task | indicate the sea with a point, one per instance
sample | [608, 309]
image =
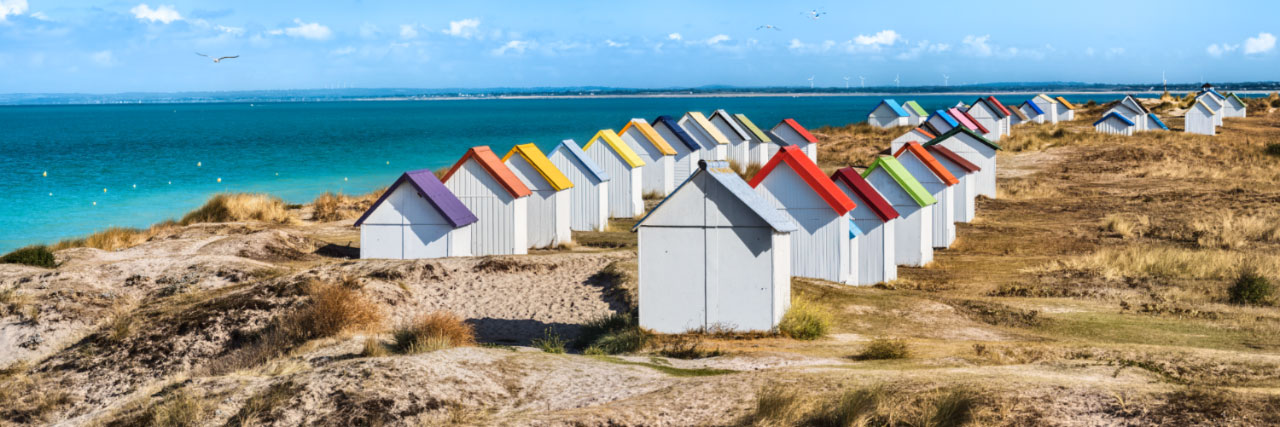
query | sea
[69, 170]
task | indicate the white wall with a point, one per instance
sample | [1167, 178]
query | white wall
[818, 248]
[885, 117]
[988, 119]
[913, 231]
[1114, 126]
[658, 173]
[502, 225]
[625, 192]
[979, 154]
[944, 226]
[684, 162]
[738, 149]
[1199, 120]
[589, 197]
[874, 260]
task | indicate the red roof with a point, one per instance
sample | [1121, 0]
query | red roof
[799, 162]
[485, 157]
[967, 120]
[952, 157]
[929, 161]
[999, 105]
[864, 191]
[804, 133]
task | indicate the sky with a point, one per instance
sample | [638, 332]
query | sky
[65, 46]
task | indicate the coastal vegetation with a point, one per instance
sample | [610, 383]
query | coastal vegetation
[35, 255]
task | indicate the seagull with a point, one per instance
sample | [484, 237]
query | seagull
[768, 27]
[217, 60]
[815, 14]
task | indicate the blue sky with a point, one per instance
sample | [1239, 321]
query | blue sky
[119, 46]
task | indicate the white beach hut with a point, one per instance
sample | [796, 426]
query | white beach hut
[1016, 117]
[658, 174]
[626, 196]
[1132, 109]
[942, 121]
[589, 197]
[499, 200]
[977, 150]
[1114, 123]
[714, 254]
[965, 193]
[1233, 106]
[686, 148]
[874, 221]
[916, 134]
[1033, 112]
[991, 115]
[888, 113]
[1200, 119]
[760, 142]
[551, 202]
[714, 144]
[1049, 107]
[918, 115]
[799, 189]
[1214, 103]
[415, 218]
[740, 141]
[789, 132]
[913, 231]
[939, 183]
[1066, 110]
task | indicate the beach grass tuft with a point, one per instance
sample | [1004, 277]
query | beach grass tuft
[337, 206]
[805, 320]
[236, 207]
[433, 331]
[35, 255]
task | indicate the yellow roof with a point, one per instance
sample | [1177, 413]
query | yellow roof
[650, 134]
[542, 164]
[1065, 103]
[618, 146]
[711, 129]
[751, 127]
[1046, 98]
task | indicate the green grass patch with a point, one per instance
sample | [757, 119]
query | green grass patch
[669, 370]
[1150, 330]
[36, 255]
[551, 342]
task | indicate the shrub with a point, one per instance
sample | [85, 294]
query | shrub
[37, 256]
[335, 309]
[884, 349]
[953, 409]
[775, 403]
[178, 409]
[805, 320]
[373, 348]
[235, 207]
[1251, 288]
[550, 342]
[612, 334]
[434, 331]
[337, 206]
[1273, 149]
[1275, 103]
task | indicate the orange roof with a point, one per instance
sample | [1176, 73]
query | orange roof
[929, 161]
[799, 162]
[925, 133]
[1065, 103]
[490, 162]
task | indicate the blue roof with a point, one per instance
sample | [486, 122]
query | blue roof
[1157, 120]
[586, 161]
[722, 173]
[893, 105]
[1034, 107]
[943, 114]
[435, 192]
[1215, 93]
[675, 128]
[1116, 115]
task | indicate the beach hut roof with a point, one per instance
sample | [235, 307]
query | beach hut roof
[929, 161]
[1034, 107]
[733, 124]
[678, 131]
[707, 127]
[893, 105]
[727, 177]
[968, 120]
[1214, 92]
[957, 130]
[914, 107]
[1206, 106]
[999, 105]
[542, 164]
[430, 188]
[1018, 113]
[1046, 98]
[951, 156]
[1064, 103]
[751, 127]
[1142, 109]
[651, 135]
[799, 162]
[904, 179]
[924, 132]
[490, 162]
[804, 133]
[1157, 121]
[1116, 115]
[999, 111]
[592, 167]
[611, 138]
[929, 128]
[863, 189]
[1232, 95]
[946, 117]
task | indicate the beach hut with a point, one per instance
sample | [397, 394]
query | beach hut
[1007, 123]
[1214, 104]
[1155, 123]
[1233, 106]
[657, 177]
[500, 201]
[965, 193]
[550, 202]
[740, 141]
[1130, 109]
[789, 132]
[1048, 106]
[1032, 111]
[968, 121]
[1114, 123]
[942, 121]
[940, 183]
[913, 230]
[686, 148]
[888, 113]
[798, 188]
[1017, 117]
[760, 142]
[917, 134]
[992, 116]
[1200, 118]
[714, 254]
[416, 217]
[1066, 111]
[626, 197]
[874, 220]
[714, 144]
[918, 115]
[977, 150]
[589, 197]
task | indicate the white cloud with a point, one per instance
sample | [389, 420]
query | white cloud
[675, 36]
[796, 44]
[717, 39]
[466, 28]
[103, 58]
[978, 46]
[1115, 51]
[883, 38]
[612, 43]
[369, 31]
[408, 31]
[12, 7]
[346, 50]
[235, 31]
[1217, 50]
[923, 47]
[517, 46]
[162, 13]
[305, 30]
[1263, 43]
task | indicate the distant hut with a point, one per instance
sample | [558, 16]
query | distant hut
[1155, 122]
[500, 201]
[551, 202]
[416, 217]
[1213, 102]
[658, 174]
[977, 150]
[1131, 109]
[686, 148]
[1032, 111]
[740, 141]
[1007, 123]
[758, 153]
[799, 189]
[1017, 117]
[789, 132]
[626, 197]
[1233, 106]
[918, 115]
[940, 183]
[1066, 110]
[888, 113]
[965, 193]
[714, 144]
[968, 121]
[874, 220]
[589, 201]
[913, 231]
[942, 121]
[1049, 107]
[991, 115]
[1114, 123]
[1199, 118]
[916, 134]
[714, 254]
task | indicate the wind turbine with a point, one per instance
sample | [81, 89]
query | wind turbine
[811, 82]
[1164, 81]
[846, 82]
[897, 80]
[946, 80]
[863, 80]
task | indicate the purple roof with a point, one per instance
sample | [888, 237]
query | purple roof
[430, 188]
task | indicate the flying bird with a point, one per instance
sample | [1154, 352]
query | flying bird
[768, 27]
[217, 60]
[815, 14]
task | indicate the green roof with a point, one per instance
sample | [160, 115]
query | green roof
[1233, 95]
[904, 179]
[959, 129]
[915, 108]
[751, 127]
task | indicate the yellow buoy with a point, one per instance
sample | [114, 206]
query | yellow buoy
[95, 203]
[104, 190]
[135, 185]
[170, 182]
[46, 173]
[197, 164]
[344, 178]
[50, 194]
[219, 179]
[388, 162]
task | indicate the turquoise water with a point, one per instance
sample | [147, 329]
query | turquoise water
[158, 161]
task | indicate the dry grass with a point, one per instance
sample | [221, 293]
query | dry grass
[1026, 189]
[433, 331]
[261, 405]
[117, 238]
[1228, 231]
[337, 206]
[1168, 262]
[236, 207]
[884, 349]
[1126, 226]
[865, 406]
[805, 320]
[335, 309]
[178, 409]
